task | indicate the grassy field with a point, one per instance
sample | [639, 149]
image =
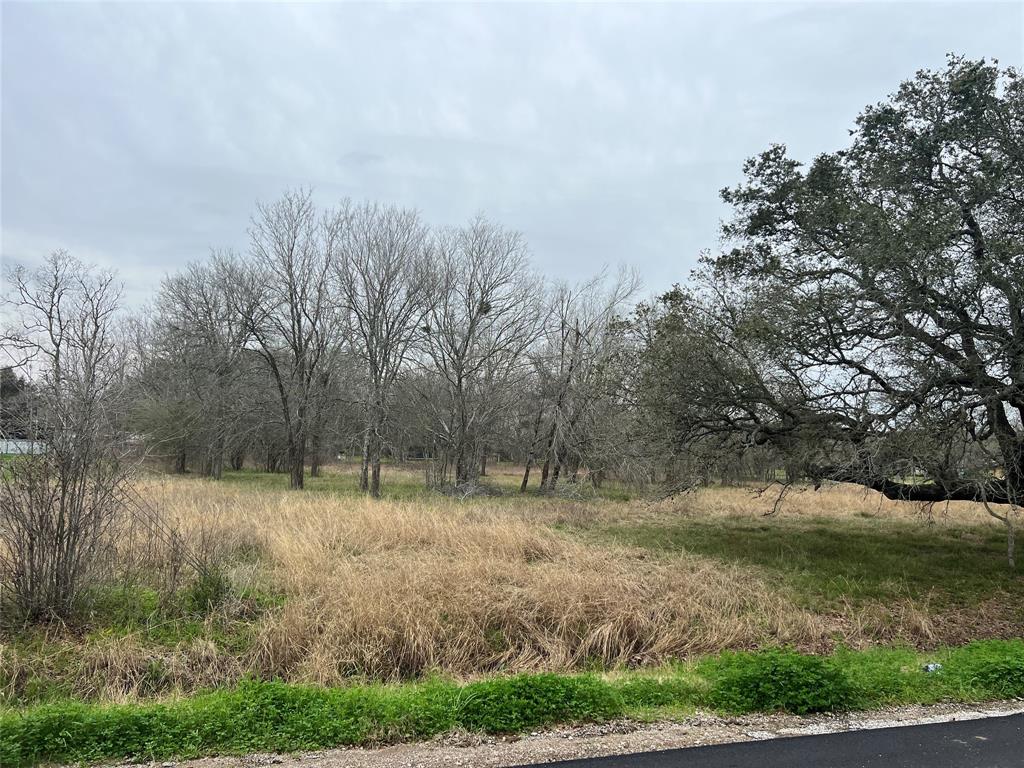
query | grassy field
[883, 572]
[330, 589]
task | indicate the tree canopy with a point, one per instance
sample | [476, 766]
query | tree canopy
[866, 316]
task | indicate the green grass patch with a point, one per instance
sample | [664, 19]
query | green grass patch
[273, 716]
[46, 663]
[822, 562]
[166, 620]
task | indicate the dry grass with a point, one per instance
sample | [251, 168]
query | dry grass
[116, 668]
[833, 501]
[883, 571]
[394, 589]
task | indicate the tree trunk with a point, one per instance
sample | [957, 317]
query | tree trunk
[216, 468]
[314, 458]
[273, 459]
[461, 466]
[364, 470]
[375, 475]
[462, 449]
[297, 462]
[483, 462]
[526, 474]
[375, 443]
[549, 448]
[553, 480]
[180, 463]
[1011, 546]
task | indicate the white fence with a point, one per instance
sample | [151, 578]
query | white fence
[21, 447]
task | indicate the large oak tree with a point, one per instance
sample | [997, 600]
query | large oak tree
[866, 318]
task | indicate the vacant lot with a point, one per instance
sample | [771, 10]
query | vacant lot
[327, 587]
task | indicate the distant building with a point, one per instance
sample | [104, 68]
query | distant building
[21, 447]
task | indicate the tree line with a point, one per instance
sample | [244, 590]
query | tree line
[359, 330]
[864, 322]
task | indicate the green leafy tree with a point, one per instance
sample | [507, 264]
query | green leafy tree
[867, 317]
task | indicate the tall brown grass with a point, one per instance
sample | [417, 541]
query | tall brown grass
[385, 590]
[835, 501]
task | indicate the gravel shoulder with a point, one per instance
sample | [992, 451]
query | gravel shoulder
[613, 738]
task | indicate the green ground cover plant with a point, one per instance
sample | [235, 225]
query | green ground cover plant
[275, 716]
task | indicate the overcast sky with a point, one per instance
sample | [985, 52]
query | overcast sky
[141, 135]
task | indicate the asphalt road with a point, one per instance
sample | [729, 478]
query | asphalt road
[993, 742]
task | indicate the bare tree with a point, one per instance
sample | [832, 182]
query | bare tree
[574, 372]
[59, 509]
[283, 294]
[197, 375]
[385, 285]
[484, 318]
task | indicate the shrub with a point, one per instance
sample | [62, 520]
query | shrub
[1002, 678]
[778, 680]
[506, 705]
[992, 668]
[646, 692]
[63, 510]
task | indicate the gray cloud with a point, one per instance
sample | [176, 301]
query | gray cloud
[141, 135]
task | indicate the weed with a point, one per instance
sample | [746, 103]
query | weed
[778, 680]
[210, 589]
[274, 716]
[507, 705]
